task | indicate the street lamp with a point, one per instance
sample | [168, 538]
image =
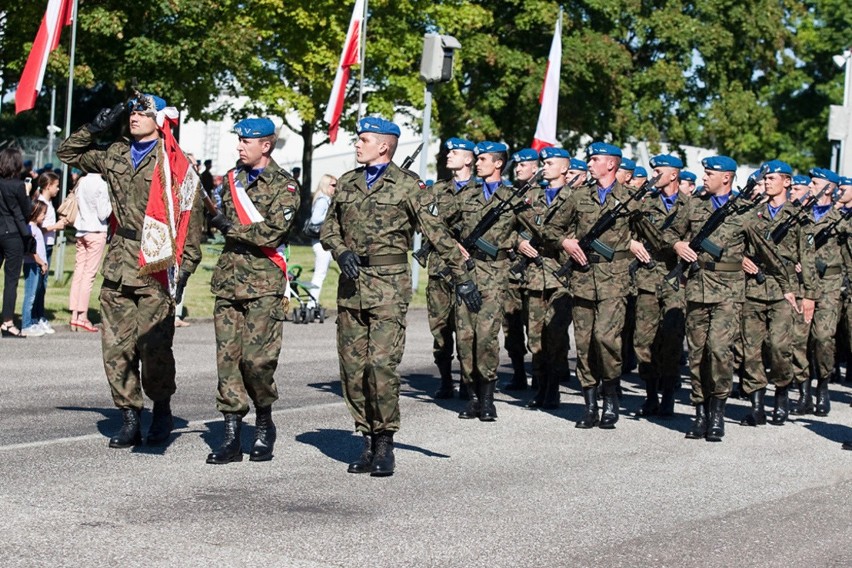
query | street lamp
[840, 118]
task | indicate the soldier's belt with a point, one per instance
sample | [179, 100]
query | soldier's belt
[126, 233]
[479, 255]
[598, 259]
[383, 259]
[243, 249]
[720, 266]
[832, 271]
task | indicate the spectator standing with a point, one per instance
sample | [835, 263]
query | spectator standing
[35, 269]
[14, 209]
[322, 258]
[48, 189]
[93, 214]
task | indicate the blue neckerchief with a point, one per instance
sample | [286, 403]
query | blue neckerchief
[720, 200]
[138, 151]
[373, 173]
[820, 211]
[603, 192]
[461, 184]
[252, 175]
[845, 210]
[489, 187]
[668, 201]
[773, 211]
[550, 194]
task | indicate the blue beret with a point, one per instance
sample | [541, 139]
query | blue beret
[801, 180]
[602, 149]
[488, 147]
[459, 144]
[627, 164]
[525, 155]
[826, 174]
[552, 152]
[254, 128]
[719, 164]
[667, 161]
[687, 176]
[640, 172]
[578, 165]
[377, 125]
[146, 103]
[777, 167]
[845, 180]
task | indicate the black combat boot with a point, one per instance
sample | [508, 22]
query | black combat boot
[805, 404]
[757, 416]
[780, 412]
[162, 423]
[383, 460]
[699, 425]
[551, 390]
[129, 434]
[364, 463]
[610, 405]
[230, 450]
[473, 407]
[847, 445]
[446, 389]
[823, 402]
[264, 435]
[716, 420]
[668, 402]
[464, 391]
[519, 377]
[590, 418]
[651, 406]
[487, 412]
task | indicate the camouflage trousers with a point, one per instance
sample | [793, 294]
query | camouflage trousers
[660, 329]
[548, 320]
[711, 330]
[137, 336]
[248, 343]
[478, 334]
[441, 304]
[821, 345]
[513, 320]
[767, 325]
[800, 365]
[597, 331]
[370, 344]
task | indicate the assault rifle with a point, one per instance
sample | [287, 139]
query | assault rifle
[821, 238]
[779, 232]
[701, 240]
[406, 163]
[590, 241]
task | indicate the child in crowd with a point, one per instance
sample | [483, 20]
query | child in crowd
[35, 267]
[48, 189]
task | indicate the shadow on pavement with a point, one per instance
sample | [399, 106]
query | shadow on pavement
[345, 446]
[833, 432]
[333, 387]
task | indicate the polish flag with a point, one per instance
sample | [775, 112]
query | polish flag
[351, 56]
[57, 16]
[545, 130]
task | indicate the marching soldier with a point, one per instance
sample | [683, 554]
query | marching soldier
[369, 230]
[259, 203]
[715, 293]
[686, 184]
[844, 206]
[624, 174]
[136, 304]
[640, 176]
[767, 317]
[578, 173]
[799, 189]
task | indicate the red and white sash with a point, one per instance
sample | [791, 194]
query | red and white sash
[247, 213]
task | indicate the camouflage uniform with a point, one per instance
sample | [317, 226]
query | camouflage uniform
[138, 313]
[249, 287]
[377, 224]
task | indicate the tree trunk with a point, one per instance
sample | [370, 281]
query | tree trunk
[307, 134]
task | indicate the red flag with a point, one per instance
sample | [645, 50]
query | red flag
[57, 16]
[545, 130]
[350, 56]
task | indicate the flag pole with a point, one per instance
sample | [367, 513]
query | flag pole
[59, 266]
[363, 61]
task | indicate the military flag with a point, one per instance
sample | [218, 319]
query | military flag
[545, 130]
[350, 56]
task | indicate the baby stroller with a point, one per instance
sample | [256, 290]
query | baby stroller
[307, 308]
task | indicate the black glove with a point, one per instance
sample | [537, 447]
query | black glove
[468, 293]
[183, 278]
[105, 119]
[349, 263]
[222, 223]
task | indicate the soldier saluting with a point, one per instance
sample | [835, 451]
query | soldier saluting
[259, 203]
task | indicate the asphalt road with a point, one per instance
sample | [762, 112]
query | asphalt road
[528, 490]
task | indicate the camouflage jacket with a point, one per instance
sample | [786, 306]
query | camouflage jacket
[128, 193]
[602, 280]
[653, 212]
[827, 260]
[437, 202]
[380, 221]
[243, 270]
[710, 283]
[534, 221]
[792, 249]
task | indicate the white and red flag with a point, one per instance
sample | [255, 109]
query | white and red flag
[57, 16]
[350, 56]
[545, 130]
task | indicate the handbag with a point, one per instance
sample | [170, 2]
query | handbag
[69, 208]
[311, 230]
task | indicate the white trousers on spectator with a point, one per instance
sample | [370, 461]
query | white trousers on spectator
[322, 258]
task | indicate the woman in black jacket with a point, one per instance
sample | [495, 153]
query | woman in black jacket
[15, 208]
